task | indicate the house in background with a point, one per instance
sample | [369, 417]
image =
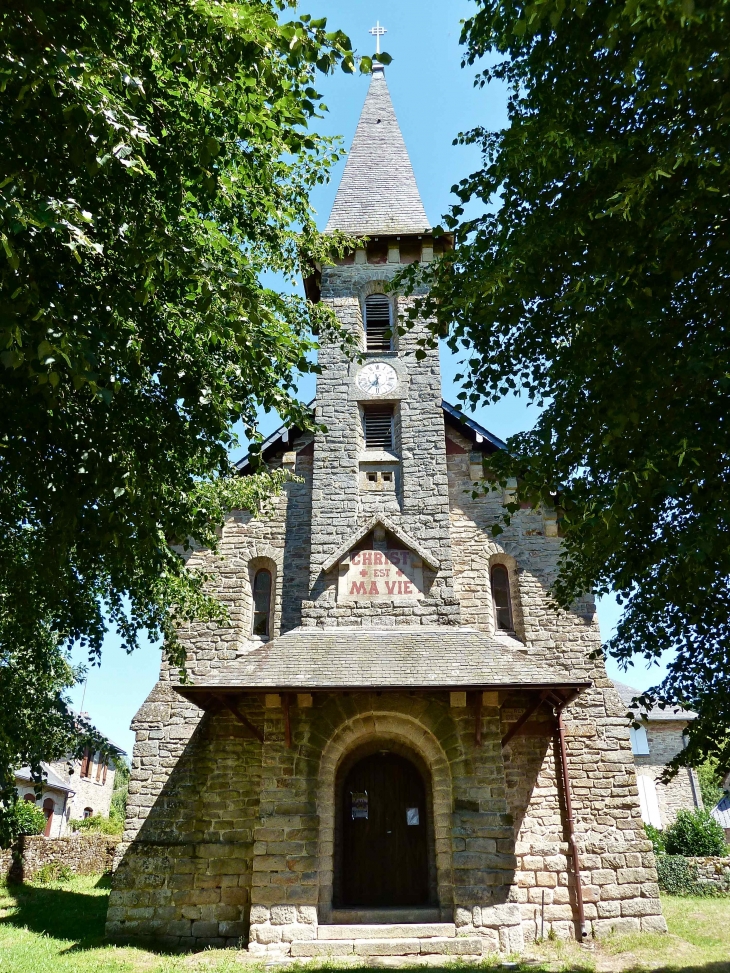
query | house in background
[72, 788]
[55, 799]
[654, 744]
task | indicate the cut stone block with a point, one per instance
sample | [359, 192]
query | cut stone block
[318, 947]
[387, 947]
[390, 931]
[463, 946]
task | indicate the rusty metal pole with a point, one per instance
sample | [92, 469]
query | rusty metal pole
[571, 823]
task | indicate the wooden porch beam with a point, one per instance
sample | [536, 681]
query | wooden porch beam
[225, 701]
[532, 708]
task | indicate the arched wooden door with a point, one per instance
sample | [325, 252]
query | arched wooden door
[385, 838]
[48, 808]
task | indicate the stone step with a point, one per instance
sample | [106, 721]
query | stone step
[395, 930]
[411, 946]
[365, 917]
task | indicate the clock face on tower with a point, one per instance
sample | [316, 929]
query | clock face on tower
[377, 378]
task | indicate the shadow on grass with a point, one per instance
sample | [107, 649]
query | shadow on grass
[76, 918]
[59, 912]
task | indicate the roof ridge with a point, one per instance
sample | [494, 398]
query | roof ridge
[378, 192]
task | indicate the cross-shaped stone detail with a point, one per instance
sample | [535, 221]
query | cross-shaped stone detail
[377, 31]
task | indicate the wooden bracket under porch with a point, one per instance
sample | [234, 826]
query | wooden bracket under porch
[556, 697]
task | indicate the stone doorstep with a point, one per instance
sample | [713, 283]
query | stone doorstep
[425, 930]
[388, 916]
[435, 946]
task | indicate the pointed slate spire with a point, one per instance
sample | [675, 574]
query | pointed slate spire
[378, 193]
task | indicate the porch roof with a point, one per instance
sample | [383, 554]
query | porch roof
[388, 659]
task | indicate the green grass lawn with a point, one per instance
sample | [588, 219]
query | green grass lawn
[59, 928]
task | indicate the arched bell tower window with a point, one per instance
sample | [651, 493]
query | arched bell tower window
[262, 603]
[502, 599]
[378, 323]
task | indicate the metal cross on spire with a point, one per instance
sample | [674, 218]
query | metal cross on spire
[377, 31]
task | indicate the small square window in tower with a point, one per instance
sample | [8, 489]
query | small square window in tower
[378, 421]
[378, 325]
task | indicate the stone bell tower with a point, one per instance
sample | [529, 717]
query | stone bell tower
[379, 473]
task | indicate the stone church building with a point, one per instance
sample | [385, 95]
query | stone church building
[398, 747]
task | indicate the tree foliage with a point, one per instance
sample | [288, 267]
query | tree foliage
[96, 824]
[155, 162]
[710, 782]
[118, 806]
[26, 819]
[695, 834]
[594, 280]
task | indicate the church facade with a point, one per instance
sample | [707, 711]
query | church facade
[398, 747]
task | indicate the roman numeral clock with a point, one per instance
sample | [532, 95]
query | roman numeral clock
[377, 378]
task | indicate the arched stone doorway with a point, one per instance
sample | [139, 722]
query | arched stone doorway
[384, 849]
[369, 733]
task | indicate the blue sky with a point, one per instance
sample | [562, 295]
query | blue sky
[434, 100]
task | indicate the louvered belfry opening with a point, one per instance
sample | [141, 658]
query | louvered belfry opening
[378, 335]
[378, 427]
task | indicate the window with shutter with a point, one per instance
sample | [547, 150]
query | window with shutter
[501, 598]
[378, 427]
[648, 801]
[639, 741]
[378, 323]
[87, 762]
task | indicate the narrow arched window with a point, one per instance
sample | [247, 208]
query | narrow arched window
[30, 798]
[262, 603]
[88, 812]
[501, 598]
[378, 323]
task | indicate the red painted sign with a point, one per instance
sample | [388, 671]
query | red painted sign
[381, 576]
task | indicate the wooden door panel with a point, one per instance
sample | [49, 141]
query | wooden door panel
[385, 859]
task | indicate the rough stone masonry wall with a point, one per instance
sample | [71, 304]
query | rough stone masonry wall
[681, 793]
[166, 735]
[293, 864]
[337, 505]
[166, 722]
[84, 854]
[619, 874]
[186, 879]
[713, 869]
[279, 542]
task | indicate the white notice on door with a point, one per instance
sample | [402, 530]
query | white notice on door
[412, 815]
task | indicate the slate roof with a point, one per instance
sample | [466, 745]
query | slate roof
[378, 192]
[482, 439]
[412, 657]
[627, 693]
[52, 779]
[403, 536]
